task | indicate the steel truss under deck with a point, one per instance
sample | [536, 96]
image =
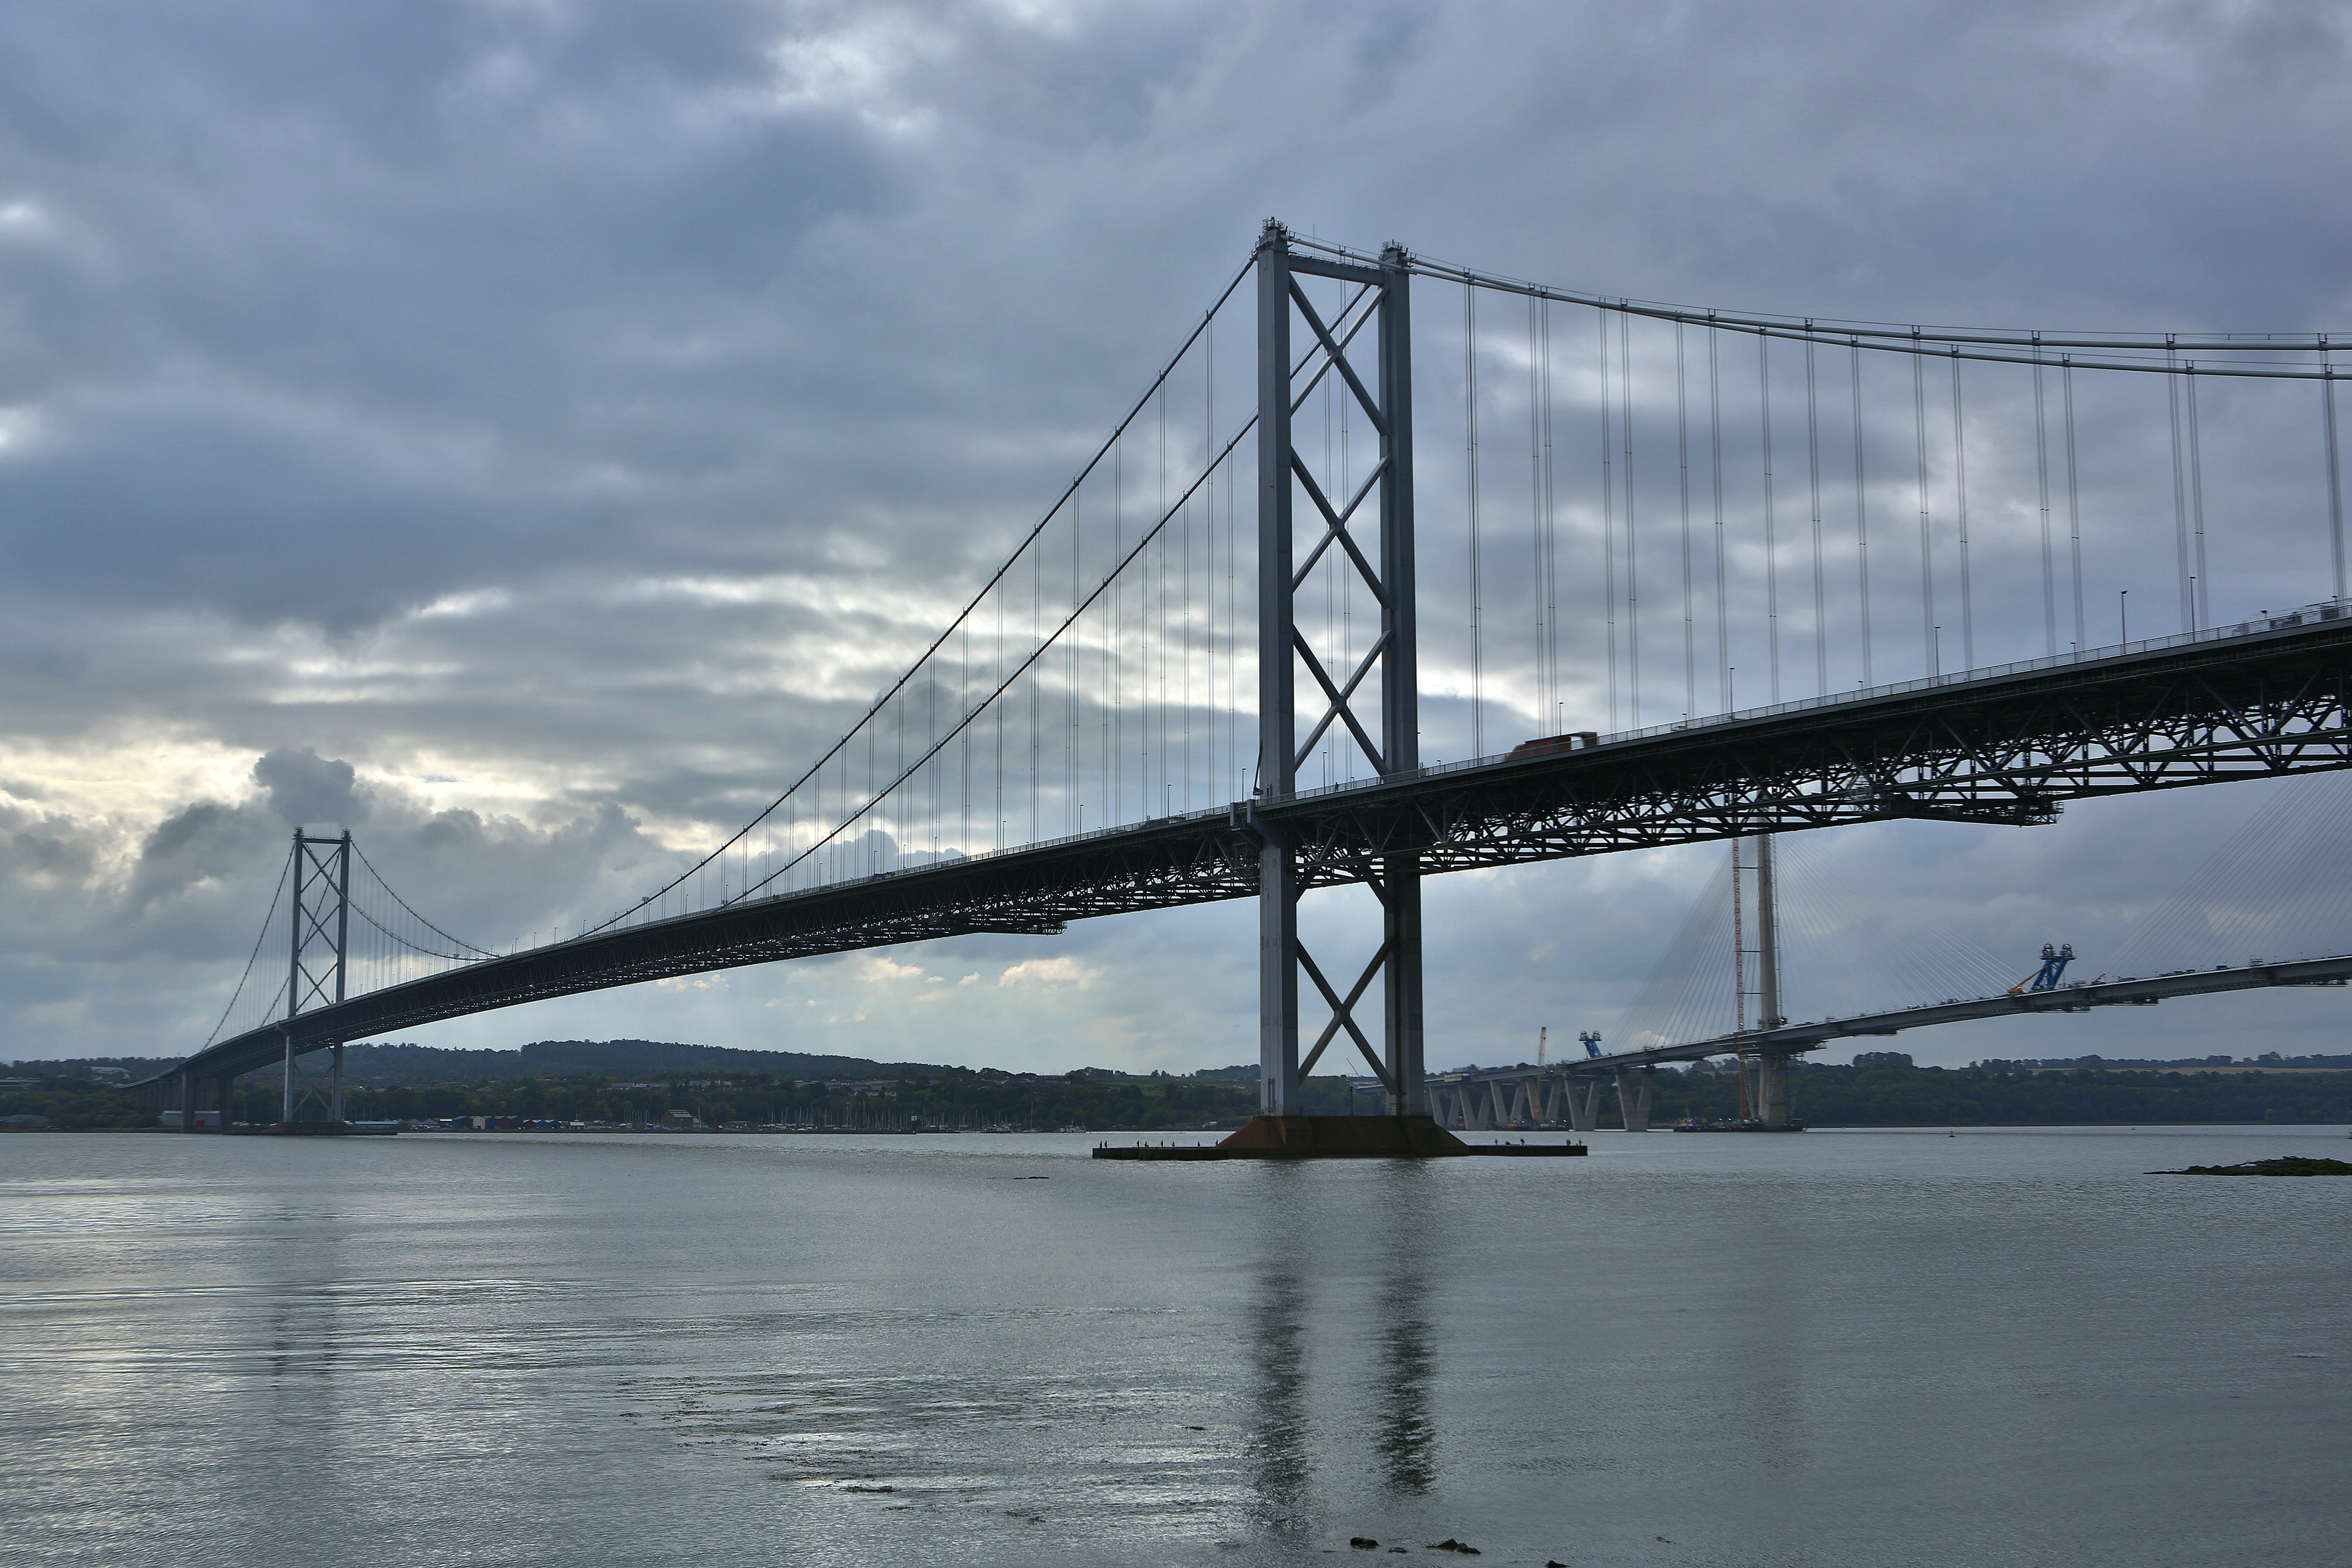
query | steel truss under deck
[2009, 747]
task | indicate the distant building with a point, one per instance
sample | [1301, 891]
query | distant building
[681, 1121]
[23, 1123]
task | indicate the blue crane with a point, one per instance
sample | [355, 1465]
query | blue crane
[2054, 961]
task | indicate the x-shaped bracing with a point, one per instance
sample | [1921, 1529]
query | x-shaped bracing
[314, 925]
[1343, 1014]
[1337, 695]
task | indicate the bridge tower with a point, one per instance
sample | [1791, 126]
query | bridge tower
[1772, 1066]
[1389, 734]
[316, 973]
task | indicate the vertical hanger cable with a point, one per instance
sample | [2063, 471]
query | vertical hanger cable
[1929, 657]
[1861, 508]
[1633, 593]
[1470, 469]
[1960, 516]
[1682, 466]
[1772, 540]
[1715, 472]
[2073, 499]
[2042, 478]
[1608, 513]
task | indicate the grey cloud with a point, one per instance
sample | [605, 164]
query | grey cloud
[303, 787]
[154, 950]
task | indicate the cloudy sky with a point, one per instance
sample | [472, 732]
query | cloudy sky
[492, 425]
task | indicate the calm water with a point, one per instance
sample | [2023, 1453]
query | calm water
[1864, 1349]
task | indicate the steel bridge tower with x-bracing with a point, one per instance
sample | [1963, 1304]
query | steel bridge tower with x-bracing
[316, 973]
[1386, 729]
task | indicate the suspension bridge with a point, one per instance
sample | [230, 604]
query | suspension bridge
[1114, 722]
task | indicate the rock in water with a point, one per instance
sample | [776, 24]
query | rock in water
[2285, 1165]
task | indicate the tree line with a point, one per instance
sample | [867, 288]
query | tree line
[1095, 1101]
[1902, 1096]
[1864, 1096]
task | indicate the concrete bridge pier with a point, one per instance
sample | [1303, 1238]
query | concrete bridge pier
[1772, 1089]
[1473, 1107]
[1583, 1095]
[1457, 1108]
[196, 1095]
[1633, 1097]
[303, 1098]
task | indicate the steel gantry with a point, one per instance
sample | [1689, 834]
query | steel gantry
[1386, 671]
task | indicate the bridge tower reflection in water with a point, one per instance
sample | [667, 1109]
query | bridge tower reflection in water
[1342, 1413]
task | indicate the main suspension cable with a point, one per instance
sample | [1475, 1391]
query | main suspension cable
[420, 919]
[255, 956]
[977, 599]
[1036, 654]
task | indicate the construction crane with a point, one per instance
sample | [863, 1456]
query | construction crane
[2054, 961]
[1543, 1038]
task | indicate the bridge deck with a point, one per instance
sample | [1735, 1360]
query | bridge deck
[2007, 745]
[2079, 997]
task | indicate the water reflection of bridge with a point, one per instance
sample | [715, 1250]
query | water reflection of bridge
[1378, 1385]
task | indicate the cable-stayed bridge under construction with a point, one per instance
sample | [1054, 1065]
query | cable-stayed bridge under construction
[1570, 1092]
[1115, 723]
[2273, 884]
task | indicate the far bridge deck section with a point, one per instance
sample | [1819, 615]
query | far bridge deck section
[1570, 1090]
[2007, 745]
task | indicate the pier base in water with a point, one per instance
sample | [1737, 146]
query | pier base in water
[1333, 1137]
